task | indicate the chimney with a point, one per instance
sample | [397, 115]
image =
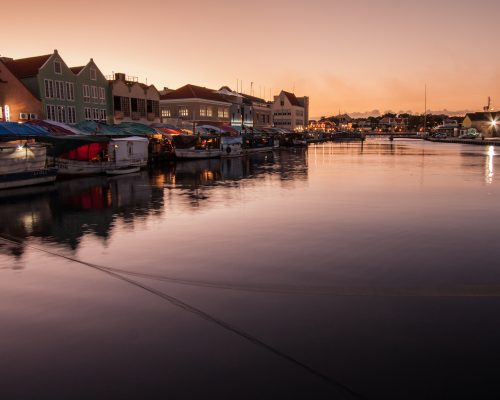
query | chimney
[119, 76]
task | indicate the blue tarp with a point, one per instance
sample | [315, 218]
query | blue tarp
[13, 128]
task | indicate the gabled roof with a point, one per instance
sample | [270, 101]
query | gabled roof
[193, 92]
[26, 67]
[253, 98]
[77, 70]
[483, 116]
[292, 99]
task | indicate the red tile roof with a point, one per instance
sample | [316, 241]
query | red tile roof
[293, 99]
[26, 67]
[77, 70]
[193, 92]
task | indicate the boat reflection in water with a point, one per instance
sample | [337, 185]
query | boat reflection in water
[69, 210]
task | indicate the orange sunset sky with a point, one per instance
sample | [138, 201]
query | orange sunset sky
[352, 55]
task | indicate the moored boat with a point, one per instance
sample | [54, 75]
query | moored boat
[94, 155]
[197, 146]
[24, 163]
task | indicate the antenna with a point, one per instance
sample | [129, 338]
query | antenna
[488, 107]
[425, 109]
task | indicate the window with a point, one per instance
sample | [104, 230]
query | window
[142, 107]
[102, 95]
[95, 114]
[102, 115]
[94, 92]
[50, 112]
[220, 112]
[86, 93]
[88, 113]
[57, 67]
[203, 111]
[126, 106]
[165, 112]
[133, 104]
[70, 91]
[49, 88]
[71, 115]
[183, 111]
[61, 114]
[93, 74]
[60, 90]
[226, 113]
[209, 111]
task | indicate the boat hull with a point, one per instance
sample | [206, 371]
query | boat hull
[82, 168]
[28, 178]
[197, 154]
[122, 171]
[251, 150]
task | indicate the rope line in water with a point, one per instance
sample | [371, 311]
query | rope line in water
[340, 388]
[360, 291]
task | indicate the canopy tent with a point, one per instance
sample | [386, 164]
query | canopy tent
[55, 128]
[65, 144]
[123, 129]
[14, 128]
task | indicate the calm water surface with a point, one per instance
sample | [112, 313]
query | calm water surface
[340, 271]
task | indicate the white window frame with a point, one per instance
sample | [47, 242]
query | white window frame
[60, 67]
[93, 74]
[86, 93]
[103, 115]
[48, 88]
[71, 115]
[93, 91]
[95, 114]
[50, 112]
[88, 113]
[102, 95]
[70, 91]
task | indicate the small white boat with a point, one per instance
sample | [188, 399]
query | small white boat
[94, 156]
[231, 146]
[23, 164]
[197, 146]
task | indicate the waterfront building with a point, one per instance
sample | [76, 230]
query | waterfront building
[17, 103]
[91, 94]
[393, 124]
[290, 112]
[247, 111]
[322, 125]
[193, 105]
[133, 101]
[66, 95]
[487, 123]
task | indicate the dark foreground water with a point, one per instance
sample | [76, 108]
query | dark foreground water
[341, 271]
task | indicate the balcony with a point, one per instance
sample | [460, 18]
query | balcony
[136, 116]
[118, 114]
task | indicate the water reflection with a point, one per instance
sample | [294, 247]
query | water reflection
[71, 209]
[489, 172]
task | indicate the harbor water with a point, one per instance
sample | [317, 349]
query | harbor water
[344, 270]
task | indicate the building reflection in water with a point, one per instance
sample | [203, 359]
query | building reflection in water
[69, 210]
